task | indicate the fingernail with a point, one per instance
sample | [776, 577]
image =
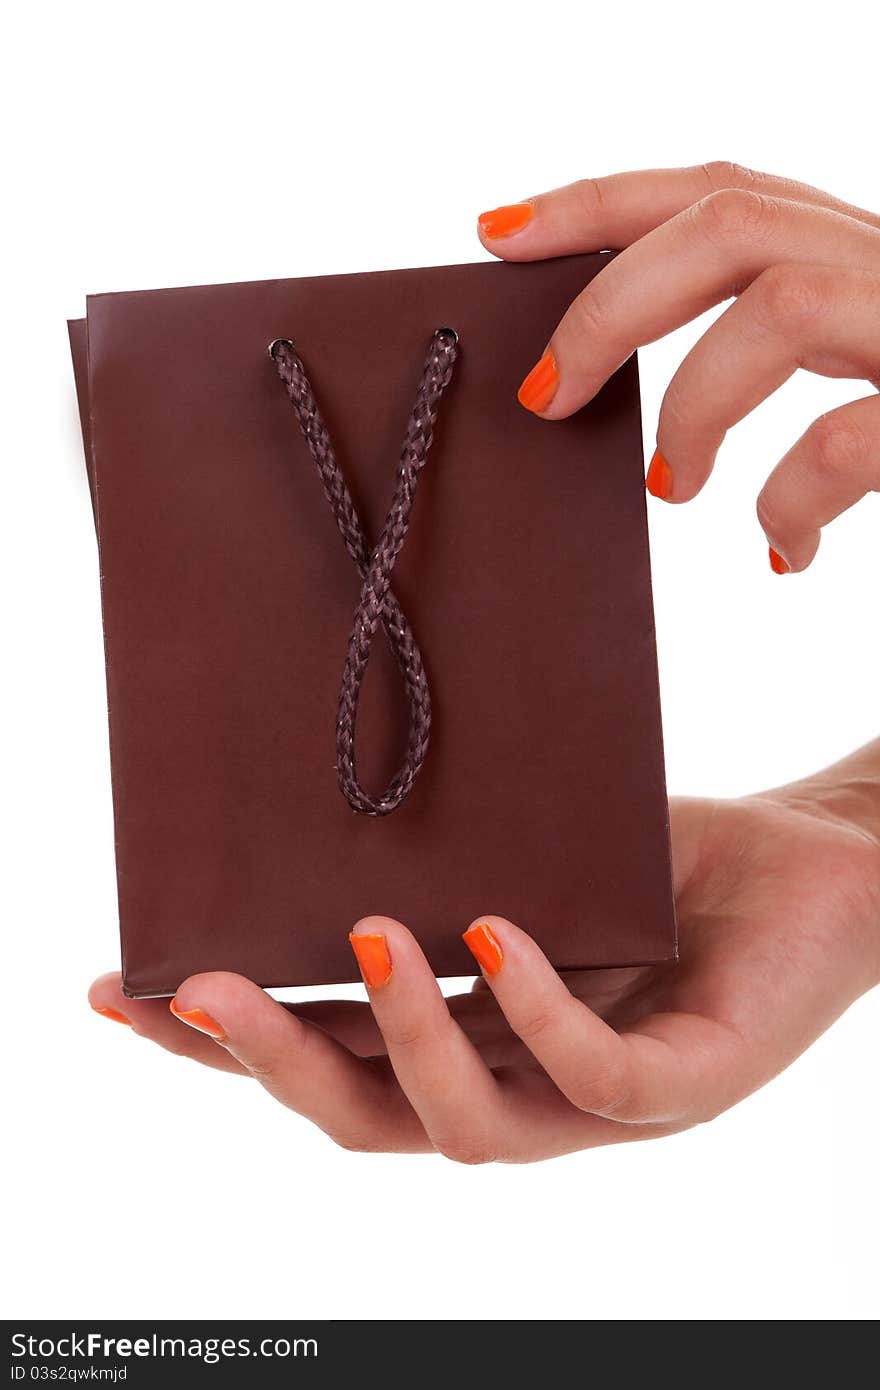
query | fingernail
[197, 1018]
[539, 387]
[116, 1016]
[483, 944]
[371, 950]
[659, 479]
[777, 564]
[506, 221]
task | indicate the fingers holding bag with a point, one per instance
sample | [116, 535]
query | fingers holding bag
[804, 270]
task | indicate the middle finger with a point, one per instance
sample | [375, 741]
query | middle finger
[464, 1111]
[822, 319]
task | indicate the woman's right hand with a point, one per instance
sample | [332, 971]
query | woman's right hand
[778, 901]
[805, 270]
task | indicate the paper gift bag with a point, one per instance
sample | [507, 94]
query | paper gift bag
[490, 673]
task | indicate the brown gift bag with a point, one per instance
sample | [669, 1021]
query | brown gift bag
[500, 693]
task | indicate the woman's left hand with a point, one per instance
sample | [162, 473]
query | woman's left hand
[779, 917]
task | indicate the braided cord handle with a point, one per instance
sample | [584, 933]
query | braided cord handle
[377, 603]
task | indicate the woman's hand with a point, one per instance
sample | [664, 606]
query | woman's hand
[779, 918]
[778, 895]
[805, 270]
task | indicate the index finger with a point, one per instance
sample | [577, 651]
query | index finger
[609, 213]
[668, 1068]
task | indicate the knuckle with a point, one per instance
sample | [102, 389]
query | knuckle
[707, 1112]
[837, 443]
[726, 173]
[677, 409]
[531, 1026]
[403, 1037]
[733, 214]
[411, 1035]
[769, 517]
[791, 297]
[271, 1066]
[588, 317]
[358, 1143]
[690, 429]
[704, 1110]
[470, 1152]
[590, 197]
[263, 1069]
[605, 1093]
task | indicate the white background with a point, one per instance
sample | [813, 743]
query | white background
[170, 144]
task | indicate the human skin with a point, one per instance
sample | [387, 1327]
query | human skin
[778, 894]
[804, 270]
[778, 899]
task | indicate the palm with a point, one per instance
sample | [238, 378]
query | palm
[771, 894]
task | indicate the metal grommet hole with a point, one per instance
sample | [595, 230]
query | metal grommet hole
[278, 342]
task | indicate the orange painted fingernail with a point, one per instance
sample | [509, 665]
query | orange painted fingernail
[197, 1018]
[116, 1016]
[659, 479]
[483, 944]
[506, 221]
[777, 564]
[373, 957]
[539, 387]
